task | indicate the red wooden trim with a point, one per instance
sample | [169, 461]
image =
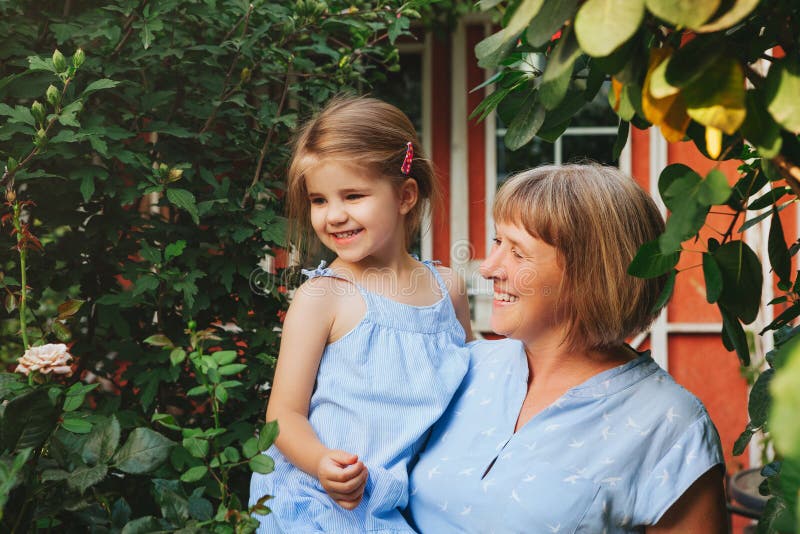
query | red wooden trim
[440, 77]
[476, 150]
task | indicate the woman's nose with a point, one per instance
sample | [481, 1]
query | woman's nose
[490, 267]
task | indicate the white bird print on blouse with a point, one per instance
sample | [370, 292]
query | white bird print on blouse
[611, 481]
[492, 376]
[506, 456]
[552, 427]
[607, 433]
[487, 484]
[572, 479]
[471, 391]
[466, 510]
[489, 431]
[529, 478]
[485, 401]
[606, 417]
[514, 496]
[608, 460]
[663, 477]
[575, 444]
[434, 471]
[531, 446]
[632, 424]
[671, 414]
[691, 456]
[466, 472]
[554, 528]
[443, 506]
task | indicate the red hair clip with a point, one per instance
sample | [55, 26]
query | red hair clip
[406, 167]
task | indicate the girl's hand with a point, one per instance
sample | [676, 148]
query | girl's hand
[343, 476]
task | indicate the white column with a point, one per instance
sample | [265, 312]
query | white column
[658, 160]
[459, 183]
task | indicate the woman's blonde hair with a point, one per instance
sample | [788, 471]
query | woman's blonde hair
[362, 131]
[597, 218]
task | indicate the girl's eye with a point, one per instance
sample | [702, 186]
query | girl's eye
[354, 196]
[317, 200]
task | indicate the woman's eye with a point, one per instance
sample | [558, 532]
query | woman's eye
[517, 254]
[496, 241]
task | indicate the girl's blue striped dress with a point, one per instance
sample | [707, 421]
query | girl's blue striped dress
[379, 389]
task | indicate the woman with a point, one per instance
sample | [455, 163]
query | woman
[563, 427]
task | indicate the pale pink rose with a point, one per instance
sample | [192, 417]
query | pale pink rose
[50, 358]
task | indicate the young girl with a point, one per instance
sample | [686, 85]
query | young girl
[373, 346]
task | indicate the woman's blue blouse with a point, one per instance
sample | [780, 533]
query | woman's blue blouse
[610, 455]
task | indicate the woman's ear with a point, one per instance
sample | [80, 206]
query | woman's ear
[408, 192]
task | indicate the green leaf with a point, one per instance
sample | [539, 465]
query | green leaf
[733, 332]
[757, 219]
[713, 278]
[675, 183]
[224, 357]
[525, 125]
[759, 128]
[549, 20]
[490, 50]
[666, 293]
[769, 198]
[174, 250]
[684, 223]
[37, 63]
[144, 451]
[67, 117]
[232, 369]
[18, 114]
[683, 13]
[196, 447]
[714, 190]
[785, 390]
[84, 477]
[780, 93]
[185, 200]
[76, 425]
[758, 405]
[193, 474]
[221, 393]
[250, 448]
[267, 435]
[651, 262]
[717, 98]
[102, 442]
[159, 340]
[743, 440]
[741, 279]
[555, 80]
[602, 26]
[691, 60]
[177, 355]
[779, 256]
[28, 420]
[731, 17]
[262, 464]
[621, 140]
[87, 188]
[144, 525]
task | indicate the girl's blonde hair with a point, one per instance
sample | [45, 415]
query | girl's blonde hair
[362, 131]
[597, 218]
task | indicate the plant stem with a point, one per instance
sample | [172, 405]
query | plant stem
[23, 254]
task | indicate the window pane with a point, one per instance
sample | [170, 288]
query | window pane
[597, 112]
[595, 147]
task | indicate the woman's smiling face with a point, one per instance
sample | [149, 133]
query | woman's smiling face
[527, 277]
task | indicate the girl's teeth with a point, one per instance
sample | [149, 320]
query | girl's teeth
[344, 235]
[505, 297]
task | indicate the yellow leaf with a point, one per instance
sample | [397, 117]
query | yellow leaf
[616, 86]
[713, 141]
[668, 113]
[717, 98]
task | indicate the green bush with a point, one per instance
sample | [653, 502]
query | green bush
[143, 175]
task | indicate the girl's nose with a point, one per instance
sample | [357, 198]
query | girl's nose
[336, 214]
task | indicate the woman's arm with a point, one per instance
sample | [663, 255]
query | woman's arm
[701, 509]
[305, 333]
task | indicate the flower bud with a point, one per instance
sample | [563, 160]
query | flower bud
[38, 112]
[78, 58]
[175, 174]
[53, 96]
[59, 62]
[163, 169]
[41, 137]
[244, 76]
[11, 195]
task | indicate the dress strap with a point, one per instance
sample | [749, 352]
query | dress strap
[431, 264]
[321, 270]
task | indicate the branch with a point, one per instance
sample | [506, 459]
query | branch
[223, 95]
[128, 28]
[789, 171]
[271, 131]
